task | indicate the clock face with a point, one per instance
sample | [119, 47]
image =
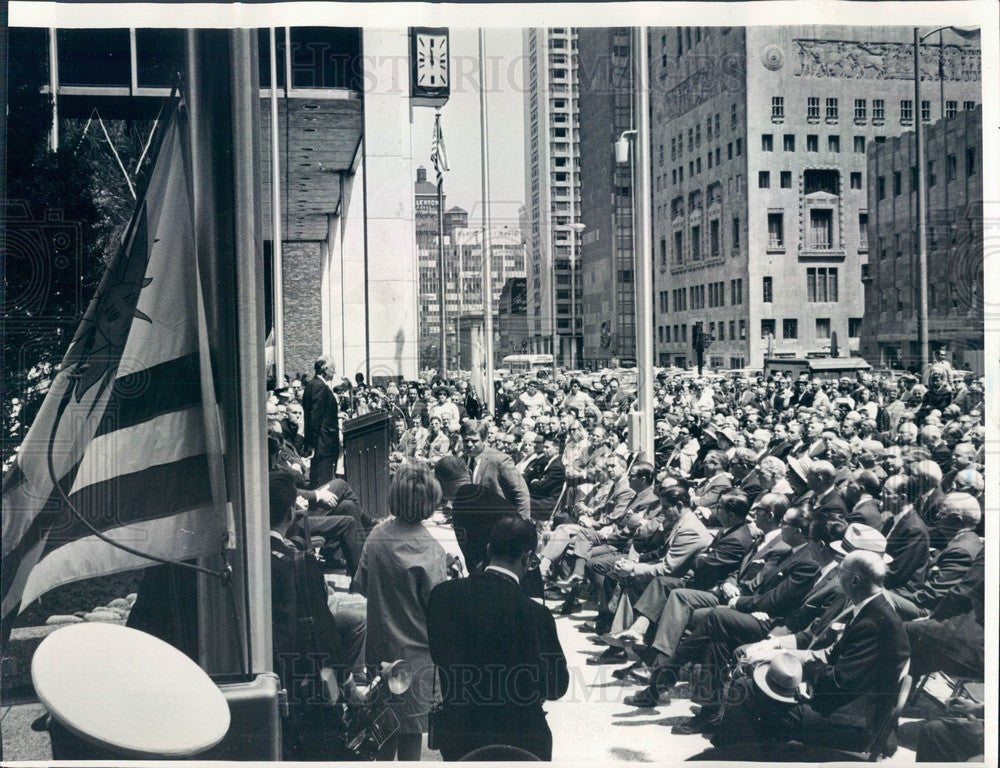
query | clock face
[432, 61]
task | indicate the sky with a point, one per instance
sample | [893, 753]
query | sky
[460, 125]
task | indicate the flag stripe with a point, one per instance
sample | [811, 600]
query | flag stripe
[161, 440]
[146, 394]
[180, 536]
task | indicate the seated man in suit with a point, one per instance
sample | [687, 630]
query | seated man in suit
[855, 680]
[497, 652]
[862, 500]
[545, 490]
[821, 477]
[706, 496]
[907, 537]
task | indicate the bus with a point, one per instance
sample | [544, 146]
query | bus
[527, 363]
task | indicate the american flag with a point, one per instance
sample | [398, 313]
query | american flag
[124, 458]
[439, 155]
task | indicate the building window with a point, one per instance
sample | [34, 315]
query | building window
[696, 243]
[764, 179]
[897, 183]
[768, 287]
[820, 229]
[736, 291]
[832, 110]
[708, 127]
[859, 144]
[673, 148]
[732, 117]
[860, 110]
[822, 327]
[691, 167]
[789, 328]
[673, 176]
[931, 176]
[714, 239]
[880, 187]
[950, 108]
[878, 110]
[863, 230]
[697, 135]
[777, 107]
[967, 105]
[678, 247]
[951, 168]
[821, 285]
[767, 329]
[776, 230]
[906, 111]
[786, 179]
[812, 108]
[697, 165]
[925, 111]
[722, 331]
[709, 158]
[732, 330]
[718, 154]
[680, 174]
[729, 151]
[812, 143]
[736, 234]
[743, 330]
[833, 143]
[970, 161]
[854, 327]
[667, 333]
[856, 180]
[788, 144]
[716, 124]
[690, 139]
[767, 142]
[739, 147]
[663, 254]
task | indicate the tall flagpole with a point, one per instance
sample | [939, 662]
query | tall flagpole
[643, 247]
[441, 275]
[487, 245]
[277, 277]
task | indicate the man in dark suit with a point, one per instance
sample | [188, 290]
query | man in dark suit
[864, 507]
[492, 469]
[322, 426]
[475, 510]
[545, 490]
[826, 501]
[907, 538]
[928, 505]
[497, 653]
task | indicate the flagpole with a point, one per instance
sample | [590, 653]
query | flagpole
[277, 279]
[487, 245]
[441, 287]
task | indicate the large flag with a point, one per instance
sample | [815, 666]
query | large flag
[127, 444]
[477, 373]
[439, 155]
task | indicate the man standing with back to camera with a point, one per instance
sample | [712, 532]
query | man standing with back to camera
[497, 653]
[319, 405]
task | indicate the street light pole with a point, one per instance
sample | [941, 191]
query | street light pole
[923, 330]
[487, 245]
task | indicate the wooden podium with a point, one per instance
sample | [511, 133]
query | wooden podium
[366, 460]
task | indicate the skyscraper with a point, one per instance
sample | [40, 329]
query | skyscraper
[552, 191]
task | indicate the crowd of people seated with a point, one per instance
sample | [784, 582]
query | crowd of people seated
[792, 550]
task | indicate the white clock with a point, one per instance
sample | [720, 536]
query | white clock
[430, 66]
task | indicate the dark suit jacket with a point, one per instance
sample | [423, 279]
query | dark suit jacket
[551, 482]
[496, 471]
[781, 584]
[967, 594]
[721, 557]
[825, 592]
[867, 512]
[322, 426]
[908, 544]
[489, 641]
[831, 505]
[946, 570]
[535, 468]
[860, 680]
[755, 559]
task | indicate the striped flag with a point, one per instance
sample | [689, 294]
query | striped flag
[127, 443]
[439, 155]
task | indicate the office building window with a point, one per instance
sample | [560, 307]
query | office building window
[832, 110]
[950, 108]
[767, 329]
[718, 154]
[714, 239]
[822, 327]
[880, 187]
[863, 230]
[970, 161]
[673, 148]
[696, 243]
[764, 179]
[716, 124]
[743, 330]
[878, 110]
[856, 180]
[732, 330]
[776, 230]
[859, 144]
[951, 168]
[777, 107]
[788, 144]
[786, 180]
[931, 176]
[833, 143]
[739, 147]
[906, 111]
[767, 142]
[821, 285]
[678, 247]
[820, 229]
[722, 331]
[854, 327]
[666, 332]
[967, 105]
[697, 135]
[697, 165]
[812, 108]
[768, 286]
[812, 143]
[736, 291]
[729, 151]
[789, 328]
[690, 139]
[708, 127]
[733, 117]
[925, 111]
[897, 183]
[860, 110]
[673, 176]
[736, 234]
[680, 174]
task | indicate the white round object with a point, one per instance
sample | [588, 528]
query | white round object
[125, 689]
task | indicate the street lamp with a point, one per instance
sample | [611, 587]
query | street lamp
[923, 319]
[577, 228]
